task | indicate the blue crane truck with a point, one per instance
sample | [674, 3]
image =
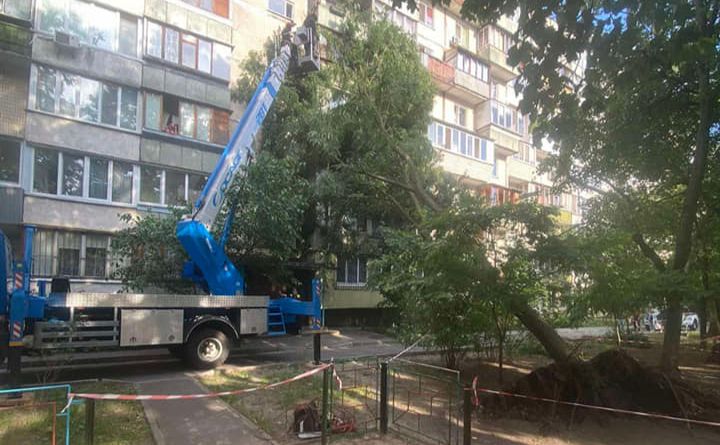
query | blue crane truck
[199, 328]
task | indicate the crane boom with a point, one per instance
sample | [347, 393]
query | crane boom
[239, 150]
[209, 264]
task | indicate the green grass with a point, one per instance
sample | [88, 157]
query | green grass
[116, 422]
[272, 409]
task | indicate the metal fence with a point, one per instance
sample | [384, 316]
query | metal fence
[425, 401]
[43, 404]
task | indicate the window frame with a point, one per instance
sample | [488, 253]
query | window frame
[475, 147]
[46, 254]
[215, 116]
[181, 40]
[77, 94]
[347, 263]
[284, 14]
[135, 181]
[118, 17]
[423, 10]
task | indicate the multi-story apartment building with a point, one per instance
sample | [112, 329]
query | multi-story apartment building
[477, 128]
[110, 107]
[123, 106]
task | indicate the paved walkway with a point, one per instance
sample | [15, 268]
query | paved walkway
[195, 422]
[212, 421]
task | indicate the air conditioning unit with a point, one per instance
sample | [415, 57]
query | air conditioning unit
[66, 39]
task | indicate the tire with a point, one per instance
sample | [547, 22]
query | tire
[207, 348]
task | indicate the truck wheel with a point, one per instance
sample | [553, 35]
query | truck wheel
[207, 349]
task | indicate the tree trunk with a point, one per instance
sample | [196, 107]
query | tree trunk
[713, 329]
[554, 345]
[501, 349]
[688, 217]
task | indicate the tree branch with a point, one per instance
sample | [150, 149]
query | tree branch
[649, 252]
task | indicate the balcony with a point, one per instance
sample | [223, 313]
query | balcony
[499, 67]
[457, 83]
[500, 123]
[497, 195]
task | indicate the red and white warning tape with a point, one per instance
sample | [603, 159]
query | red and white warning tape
[476, 401]
[197, 396]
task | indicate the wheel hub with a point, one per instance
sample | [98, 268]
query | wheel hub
[210, 349]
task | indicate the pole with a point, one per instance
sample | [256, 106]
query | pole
[316, 349]
[324, 436]
[467, 416]
[383, 398]
[89, 421]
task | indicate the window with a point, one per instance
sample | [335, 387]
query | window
[426, 14]
[204, 59]
[91, 24]
[45, 171]
[402, 21]
[461, 142]
[219, 7]
[45, 92]
[502, 115]
[70, 253]
[154, 45]
[9, 161]
[462, 35]
[16, 8]
[173, 116]
[98, 179]
[174, 188]
[282, 7]
[150, 185]
[153, 111]
[85, 99]
[111, 181]
[460, 113]
[221, 61]
[526, 154]
[122, 182]
[96, 254]
[351, 272]
[196, 183]
[495, 37]
[172, 43]
[187, 50]
[73, 172]
[169, 187]
[471, 66]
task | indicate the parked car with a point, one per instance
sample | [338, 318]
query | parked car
[690, 321]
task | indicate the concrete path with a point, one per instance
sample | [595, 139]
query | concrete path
[195, 422]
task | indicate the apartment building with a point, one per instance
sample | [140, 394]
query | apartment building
[110, 107]
[123, 106]
[479, 132]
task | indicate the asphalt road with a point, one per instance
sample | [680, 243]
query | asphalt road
[128, 364]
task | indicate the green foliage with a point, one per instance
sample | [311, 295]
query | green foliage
[148, 255]
[459, 273]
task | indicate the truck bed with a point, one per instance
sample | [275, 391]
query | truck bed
[99, 300]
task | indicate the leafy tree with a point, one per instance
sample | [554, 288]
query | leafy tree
[459, 271]
[642, 121]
